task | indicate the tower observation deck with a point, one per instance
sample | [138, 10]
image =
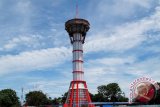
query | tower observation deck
[78, 94]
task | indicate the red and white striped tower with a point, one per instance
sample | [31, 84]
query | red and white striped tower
[78, 94]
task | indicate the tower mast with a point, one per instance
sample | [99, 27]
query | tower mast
[22, 89]
[77, 10]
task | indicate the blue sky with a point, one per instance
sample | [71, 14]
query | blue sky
[123, 43]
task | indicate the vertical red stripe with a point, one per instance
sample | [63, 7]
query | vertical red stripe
[77, 97]
[87, 93]
[72, 90]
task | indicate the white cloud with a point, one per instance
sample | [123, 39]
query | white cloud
[52, 88]
[34, 60]
[142, 3]
[1, 4]
[107, 66]
[122, 8]
[112, 61]
[124, 37]
[31, 41]
[120, 70]
[23, 7]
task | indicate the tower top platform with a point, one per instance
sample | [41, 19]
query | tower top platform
[77, 25]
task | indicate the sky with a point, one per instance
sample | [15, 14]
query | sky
[123, 43]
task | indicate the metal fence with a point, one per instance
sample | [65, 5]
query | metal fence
[106, 104]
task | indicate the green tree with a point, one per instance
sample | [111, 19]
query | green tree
[122, 98]
[97, 98]
[111, 92]
[57, 101]
[8, 98]
[64, 97]
[37, 98]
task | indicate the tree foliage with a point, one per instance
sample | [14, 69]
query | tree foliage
[37, 98]
[8, 98]
[110, 92]
[97, 97]
[57, 101]
[64, 97]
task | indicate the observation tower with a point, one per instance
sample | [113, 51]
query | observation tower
[78, 95]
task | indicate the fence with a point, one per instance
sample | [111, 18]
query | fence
[105, 104]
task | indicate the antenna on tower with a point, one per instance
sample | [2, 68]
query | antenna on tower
[22, 97]
[76, 9]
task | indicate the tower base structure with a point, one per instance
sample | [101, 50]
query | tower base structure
[78, 95]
